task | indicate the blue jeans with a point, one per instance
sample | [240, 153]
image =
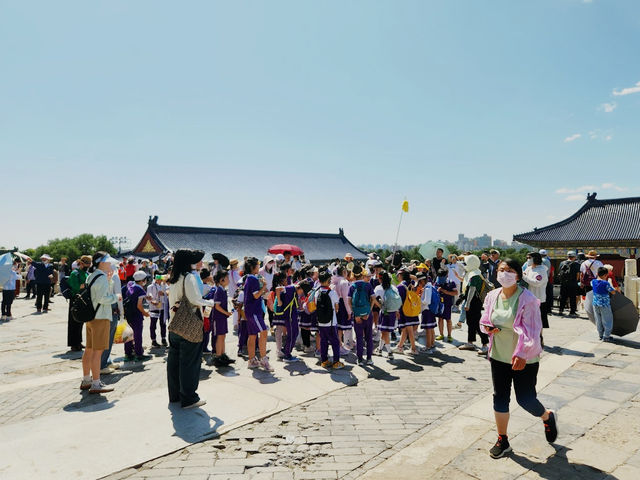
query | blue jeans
[106, 354]
[604, 320]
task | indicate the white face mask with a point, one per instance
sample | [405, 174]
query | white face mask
[507, 279]
[529, 261]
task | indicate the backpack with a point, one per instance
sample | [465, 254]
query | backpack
[412, 305]
[82, 309]
[587, 276]
[361, 304]
[65, 289]
[565, 271]
[487, 286]
[294, 301]
[323, 307]
[271, 300]
[392, 300]
[436, 306]
[311, 304]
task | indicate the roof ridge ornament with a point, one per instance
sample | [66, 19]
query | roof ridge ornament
[591, 197]
[153, 221]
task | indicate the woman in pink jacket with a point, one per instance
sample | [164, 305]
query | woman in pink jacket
[512, 320]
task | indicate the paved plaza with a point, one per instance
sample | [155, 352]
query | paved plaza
[428, 416]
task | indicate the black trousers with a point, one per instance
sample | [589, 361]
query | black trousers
[31, 288]
[42, 292]
[549, 296]
[7, 300]
[74, 331]
[473, 326]
[524, 384]
[183, 370]
[568, 293]
[543, 314]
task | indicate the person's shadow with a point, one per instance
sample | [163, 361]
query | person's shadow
[193, 425]
[558, 467]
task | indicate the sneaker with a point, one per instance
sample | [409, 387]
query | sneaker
[107, 371]
[129, 358]
[440, 337]
[344, 351]
[338, 365]
[551, 427]
[467, 346]
[309, 349]
[360, 362]
[114, 365]
[228, 360]
[143, 358]
[3, 318]
[604, 339]
[253, 363]
[326, 364]
[164, 342]
[317, 354]
[414, 352]
[219, 362]
[264, 363]
[85, 385]
[101, 388]
[155, 344]
[449, 339]
[369, 362]
[483, 351]
[399, 350]
[291, 359]
[199, 403]
[501, 448]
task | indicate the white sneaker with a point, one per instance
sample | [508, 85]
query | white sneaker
[114, 365]
[3, 318]
[9, 318]
[107, 371]
[264, 363]
[199, 403]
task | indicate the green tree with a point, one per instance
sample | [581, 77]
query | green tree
[74, 247]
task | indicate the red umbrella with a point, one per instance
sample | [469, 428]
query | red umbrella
[285, 247]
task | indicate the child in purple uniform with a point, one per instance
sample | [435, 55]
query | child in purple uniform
[254, 289]
[327, 304]
[135, 312]
[219, 323]
[448, 290]
[389, 314]
[428, 317]
[362, 292]
[277, 321]
[406, 324]
[286, 309]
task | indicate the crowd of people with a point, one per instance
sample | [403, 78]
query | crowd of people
[340, 309]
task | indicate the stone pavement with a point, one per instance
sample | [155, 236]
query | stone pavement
[411, 418]
[349, 432]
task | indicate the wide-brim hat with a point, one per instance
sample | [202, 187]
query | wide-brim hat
[139, 276]
[44, 256]
[422, 265]
[348, 256]
[592, 254]
[233, 261]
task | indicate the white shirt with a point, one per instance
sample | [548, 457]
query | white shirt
[594, 265]
[537, 277]
[234, 278]
[453, 269]
[379, 292]
[116, 288]
[191, 290]
[101, 295]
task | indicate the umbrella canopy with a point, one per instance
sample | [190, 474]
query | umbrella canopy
[625, 314]
[222, 260]
[6, 263]
[428, 250]
[286, 247]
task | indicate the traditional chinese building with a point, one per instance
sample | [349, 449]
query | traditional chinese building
[318, 247]
[611, 227]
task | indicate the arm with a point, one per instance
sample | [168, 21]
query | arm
[192, 291]
[141, 308]
[534, 278]
[374, 302]
[219, 308]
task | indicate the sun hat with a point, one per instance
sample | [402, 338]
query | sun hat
[348, 256]
[86, 260]
[542, 252]
[592, 254]
[139, 275]
[422, 265]
[267, 259]
[233, 261]
[608, 267]
[44, 256]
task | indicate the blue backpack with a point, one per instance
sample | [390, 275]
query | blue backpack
[436, 306]
[392, 300]
[360, 301]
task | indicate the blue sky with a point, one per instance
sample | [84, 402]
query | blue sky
[487, 116]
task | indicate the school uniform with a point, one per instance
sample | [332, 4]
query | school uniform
[207, 328]
[134, 318]
[253, 307]
[364, 329]
[446, 300]
[288, 311]
[428, 321]
[344, 319]
[219, 323]
[156, 306]
[388, 321]
[405, 321]
[308, 321]
[328, 331]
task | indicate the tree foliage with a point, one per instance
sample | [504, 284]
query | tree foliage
[73, 248]
[413, 254]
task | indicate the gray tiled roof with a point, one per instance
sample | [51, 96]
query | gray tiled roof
[240, 243]
[597, 223]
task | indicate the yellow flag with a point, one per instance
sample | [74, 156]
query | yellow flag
[405, 206]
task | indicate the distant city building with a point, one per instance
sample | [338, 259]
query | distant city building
[476, 243]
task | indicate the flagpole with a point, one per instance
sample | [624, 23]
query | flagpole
[395, 245]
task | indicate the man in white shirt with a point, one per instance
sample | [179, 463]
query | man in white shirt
[537, 276]
[591, 263]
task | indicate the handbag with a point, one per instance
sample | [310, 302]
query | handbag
[185, 322]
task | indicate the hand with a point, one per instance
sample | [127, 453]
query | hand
[358, 320]
[492, 330]
[518, 363]
[466, 308]
[398, 315]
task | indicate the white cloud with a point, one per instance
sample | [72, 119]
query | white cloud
[608, 137]
[583, 188]
[627, 91]
[593, 134]
[613, 186]
[571, 138]
[573, 198]
[608, 107]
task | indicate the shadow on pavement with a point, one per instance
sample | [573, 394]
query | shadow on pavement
[567, 351]
[558, 467]
[193, 425]
[90, 403]
[69, 355]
